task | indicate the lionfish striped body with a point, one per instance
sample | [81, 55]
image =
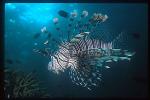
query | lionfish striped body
[85, 59]
[80, 57]
[85, 56]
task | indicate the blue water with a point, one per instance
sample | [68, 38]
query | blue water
[23, 20]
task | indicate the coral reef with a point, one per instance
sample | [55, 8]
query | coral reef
[20, 84]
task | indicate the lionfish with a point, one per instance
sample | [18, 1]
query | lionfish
[82, 55]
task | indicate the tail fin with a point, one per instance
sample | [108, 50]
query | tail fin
[120, 41]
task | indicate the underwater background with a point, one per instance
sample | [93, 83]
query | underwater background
[123, 79]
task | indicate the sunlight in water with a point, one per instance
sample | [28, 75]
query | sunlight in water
[41, 13]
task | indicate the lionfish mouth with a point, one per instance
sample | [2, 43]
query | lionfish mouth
[85, 57]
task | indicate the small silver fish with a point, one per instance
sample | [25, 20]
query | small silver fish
[89, 88]
[12, 21]
[43, 29]
[129, 54]
[80, 83]
[94, 84]
[46, 42]
[109, 61]
[125, 58]
[78, 36]
[107, 67]
[82, 79]
[98, 78]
